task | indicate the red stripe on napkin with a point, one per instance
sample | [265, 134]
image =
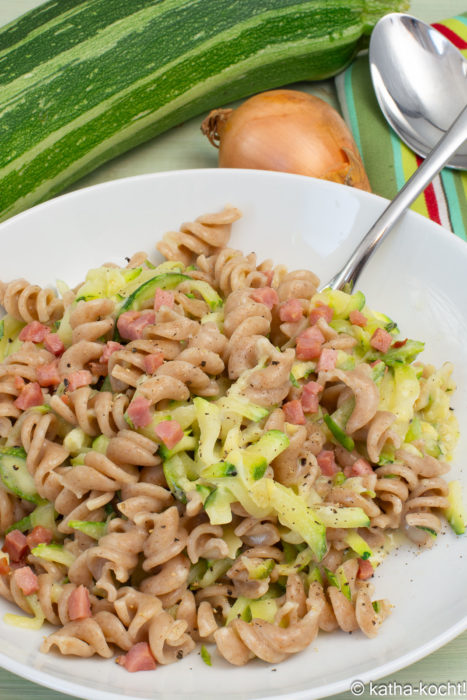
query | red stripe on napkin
[430, 199]
[452, 36]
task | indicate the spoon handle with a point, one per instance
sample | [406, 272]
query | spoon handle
[433, 163]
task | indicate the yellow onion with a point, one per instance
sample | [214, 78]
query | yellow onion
[288, 131]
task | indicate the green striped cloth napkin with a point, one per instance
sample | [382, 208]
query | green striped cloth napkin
[388, 161]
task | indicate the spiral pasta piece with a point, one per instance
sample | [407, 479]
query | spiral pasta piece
[245, 322]
[422, 523]
[189, 306]
[79, 356]
[140, 501]
[9, 392]
[23, 362]
[298, 284]
[206, 621]
[268, 641]
[168, 639]
[129, 448]
[79, 638]
[92, 320]
[206, 541]
[288, 466]
[364, 390]
[229, 270]
[44, 456]
[89, 508]
[270, 385]
[113, 558]
[350, 499]
[170, 582]
[200, 237]
[98, 473]
[170, 331]
[126, 366]
[167, 538]
[379, 433]
[254, 532]
[135, 610]
[195, 378]
[113, 630]
[29, 302]
[206, 349]
[392, 488]
[349, 612]
[95, 412]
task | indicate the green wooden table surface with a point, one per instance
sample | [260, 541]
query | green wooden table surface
[184, 147]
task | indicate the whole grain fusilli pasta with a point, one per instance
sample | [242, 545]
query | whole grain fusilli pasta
[209, 450]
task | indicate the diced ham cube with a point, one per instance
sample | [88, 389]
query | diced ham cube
[131, 324]
[293, 411]
[26, 580]
[34, 332]
[310, 403]
[309, 344]
[170, 432]
[308, 349]
[139, 658]
[163, 297]
[266, 296]
[327, 359]
[153, 361]
[31, 395]
[110, 347]
[356, 318]
[361, 467]
[327, 462]
[365, 569]
[309, 398]
[321, 311]
[313, 333]
[79, 604]
[39, 535]
[312, 388]
[82, 377]
[4, 566]
[139, 413]
[15, 545]
[291, 311]
[381, 340]
[48, 375]
[54, 344]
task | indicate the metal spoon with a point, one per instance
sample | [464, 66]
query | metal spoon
[420, 81]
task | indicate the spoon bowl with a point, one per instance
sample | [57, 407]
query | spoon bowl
[420, 81]
[405, 54]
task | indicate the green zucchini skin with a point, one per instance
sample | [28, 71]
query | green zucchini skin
[82, 81]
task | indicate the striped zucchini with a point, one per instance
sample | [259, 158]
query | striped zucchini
[82, 81]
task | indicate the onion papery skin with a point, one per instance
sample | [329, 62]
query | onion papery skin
[287, 131]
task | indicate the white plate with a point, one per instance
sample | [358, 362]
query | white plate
[417, 277]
